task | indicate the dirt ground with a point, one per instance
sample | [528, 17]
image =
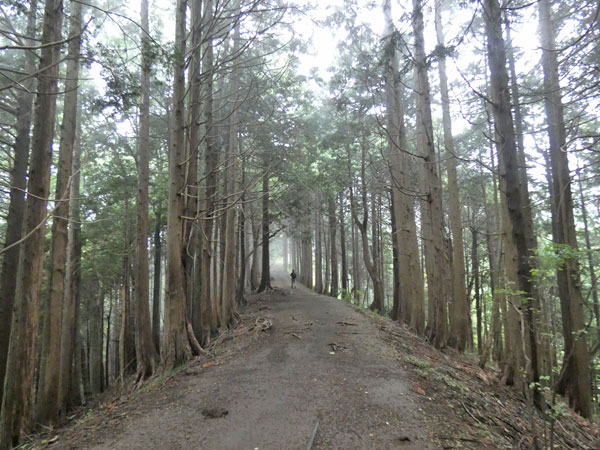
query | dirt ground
[323, 374]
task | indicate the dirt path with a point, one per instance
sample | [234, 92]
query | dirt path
[321, 362]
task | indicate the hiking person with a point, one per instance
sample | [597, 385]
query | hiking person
[293, 277]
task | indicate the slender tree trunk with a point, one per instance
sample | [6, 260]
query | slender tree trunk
[431, 210]
[308, 257]
[334, 291]
[343, 251]
[327, 247]
[96, 312]
[48, 400]
[256, 252]
[398, 310]
[176, 348]
[459, 320]
[411, 301]
[242, 240]
[17, 400]
[355, 262]
[211, 156]
[318, 249]
[16, 208]
[157, 279]
[231, 216]
[191, 255]
[285, 253]
[507, 155]
[146, 356]
[265, 279]
[369, 259]
[588, 248]
[475, 275]
[108, 337]
[569, 283]
[69, 388]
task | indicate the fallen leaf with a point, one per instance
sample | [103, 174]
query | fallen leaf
[208, 364]
[419, 390]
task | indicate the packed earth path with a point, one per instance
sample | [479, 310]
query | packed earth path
[319, 377]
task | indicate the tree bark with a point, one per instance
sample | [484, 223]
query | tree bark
[318, 248]
[176, 347]
[16, 208]
[96, 325]
[191, 255]
[334, 291]
[431, 210]
[256, 252]
[211, 157]
[17, 400]
[228, 298]
[68, 386]
[146, 356]
[459, 319]
[588, 248]
[48, 405]
[265, 279]
[157, 279]
[343, 251]
[569, 283]
[369, 259]
[411, 308]
[508, 163]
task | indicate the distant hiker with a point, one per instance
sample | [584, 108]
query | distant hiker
[293, 277]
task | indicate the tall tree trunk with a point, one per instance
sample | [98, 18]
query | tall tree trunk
[509, 170]
[231, 217]
[431, 210]
[343, 251]
[16, 208]
[412, 295]
[355, 260]
[475, 275]
[243, 263]
[48, 400]
[459, 319]
[307, 257]
[176, 348]
[588, 248]
[68, 386]
[285, 252]
[318, 248]
[569, 283]
[327, 248]
[191, 255]
[208, 325]
[108, 337]
[157, 279]
[146, 356]
[334, 291]
[397, 308]
[95, 318]
[256, 252]
[265, 279]
[127, 336]
[18, 395]
[369, 259]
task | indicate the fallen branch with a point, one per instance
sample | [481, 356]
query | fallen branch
[312, 437]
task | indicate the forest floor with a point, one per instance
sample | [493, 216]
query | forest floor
[306, 370]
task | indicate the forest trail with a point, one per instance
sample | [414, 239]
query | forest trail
[322, 361]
